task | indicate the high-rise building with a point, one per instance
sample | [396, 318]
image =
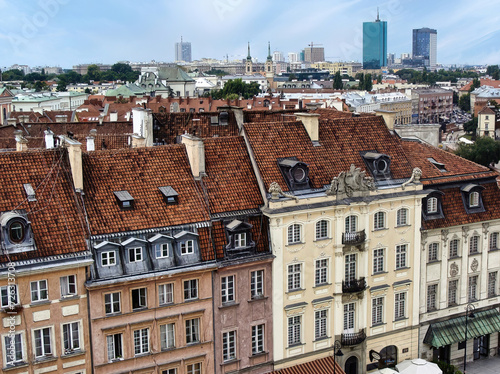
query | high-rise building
[374, 44]
[278, 56]
[425, 46]
[314, 54]
[293, 57]
[183, 51]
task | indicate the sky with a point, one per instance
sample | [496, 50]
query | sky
[69, 32]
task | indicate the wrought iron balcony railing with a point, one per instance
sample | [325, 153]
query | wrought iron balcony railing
[353, 338]
[353, 238]
[354, 285]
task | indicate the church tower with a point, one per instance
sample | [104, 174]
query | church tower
[269, 63]
[248, 64]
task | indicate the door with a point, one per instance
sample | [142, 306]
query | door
[351, 365]
[350, 268]
[481, 346]
[349, 318]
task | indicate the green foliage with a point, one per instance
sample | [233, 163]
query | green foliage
[484, 151]
[493, 71]
[448, 368]
[476, 83]
[233, 96]
[236, 86]
[337, 81]
[13, 75]
[455, 98]
[87, 91]
[40, 86]
[368, 83]
[426, 77]
[61, 86]
[471, 126]
[464, 102]
[217, 72]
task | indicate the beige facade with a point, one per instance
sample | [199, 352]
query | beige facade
[349, 68]
[402, 110]
[486, 123]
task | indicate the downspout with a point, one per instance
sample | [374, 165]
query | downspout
[213, 321]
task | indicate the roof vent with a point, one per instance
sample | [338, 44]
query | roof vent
[171, 196]
[125, 199]
[30, 192]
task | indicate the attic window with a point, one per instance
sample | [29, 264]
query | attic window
[296, 173]
[472, 198]
[125, 199]
[439, 165]
[432, 207]
[171, 196]
[223, 118]
[30, 192]
[379, 164]
[214, 120]
[239, 237]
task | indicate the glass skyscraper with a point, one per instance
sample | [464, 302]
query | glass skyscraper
[183, 51]
[425, 46]
[374, 44]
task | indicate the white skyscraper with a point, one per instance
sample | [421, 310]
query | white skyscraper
[183, 51]
[293, 57]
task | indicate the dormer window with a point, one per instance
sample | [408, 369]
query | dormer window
[170, 195]
[472, 198]
[125, 199]
[296, 173]
[239, 236]
[16, 232]
[240, 240]
[432, 206]
[379, 165]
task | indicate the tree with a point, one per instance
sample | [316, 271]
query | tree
[337, 81]
[471, 126]
[40, 86]
[93, 73]
[464, 102]
[87, 91]
[368, 83]
[61, 86]
[476, 83]
[493, 71]
[485, 151]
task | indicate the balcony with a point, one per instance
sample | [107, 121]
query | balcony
[355, 285]
[353, 238]
[353, 338]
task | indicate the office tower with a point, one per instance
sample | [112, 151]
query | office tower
[183, 51]
[293, 57]
[313, 53]
[425, 46]
[374, 44]
[278, 56]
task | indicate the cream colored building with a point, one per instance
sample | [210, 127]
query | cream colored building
[486, 122]
[349, 68]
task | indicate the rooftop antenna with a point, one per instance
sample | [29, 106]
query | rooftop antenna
[378, 19]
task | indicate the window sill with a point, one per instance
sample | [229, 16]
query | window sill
[295, 290]
[73, 354]
[37, 303]
[113, 314]
[474, 253]
[228, 305]
[143, 354]
[257, 298]
[229, 362]
[15, 366]
[493, 249]
[405, 225]
[258, 354]
[140, 309]
[118, 359]
[380, 229]
[193, 343]
[69, 297]
[321, 239]
[378, 324]
[433, 261]
[165, 304]
[400, 319]
[292, 244]
[321, 339]
[380, 273]
[295, 345]
[402, 268]
[454, 257]
[191, 300]
[41, 360]
[168, 349]
[322, 285]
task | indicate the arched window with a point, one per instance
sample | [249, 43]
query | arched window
[321, 229]
[474, 199]
[402, 217]
[379, 221]
[432, 205]
[294, 233]
[351, 224]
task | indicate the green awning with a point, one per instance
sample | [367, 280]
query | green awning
[452, 331]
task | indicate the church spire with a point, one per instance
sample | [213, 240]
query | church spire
[249, 57]
[269, 57]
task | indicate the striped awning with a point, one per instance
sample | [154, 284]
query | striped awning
[452, 331]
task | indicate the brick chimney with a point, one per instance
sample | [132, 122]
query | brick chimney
[196, 153]
[75, 160]
[311, 124]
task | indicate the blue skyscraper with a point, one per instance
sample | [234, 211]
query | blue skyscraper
[425, 46]
[374, 44]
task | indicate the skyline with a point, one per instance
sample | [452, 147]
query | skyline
[64, 33]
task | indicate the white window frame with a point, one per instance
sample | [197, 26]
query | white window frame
[473, 288]
[165, 293]
[321, 272]
[229, 345]
[378, 260]
[240, 240]
[320, 324]
[68, 286]
[110, 300]
[9, 296]
[401, 256]
[492, 284]
[493, 241]
[377, 310]
[454, 245]
[135, 254]
[432, 205]
[108, 258]
[167, 336]
[351, 223]
[452, 292]
[187, 247]
[161, 249]
[193, 331]
[322, 229]
[294, 330]
[44, 336]
[433, 254]
[294, 277]
[257, 284]
[115, 352]
[349, 316]
[39, 290]
[294, 233]
[14, 346]
[432, 290]
[194, 368]
[258, 339]
[379, 221]
[402, 217]
[190, 289]
[473, 199]
[142, 298]
[141, 341]
[474, 244]
[71, 337]
[227, 287]
[400, 305]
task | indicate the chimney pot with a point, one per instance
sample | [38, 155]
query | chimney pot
[196, 154]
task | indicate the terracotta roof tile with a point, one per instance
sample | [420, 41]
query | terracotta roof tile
[321, 366]
[55, 216]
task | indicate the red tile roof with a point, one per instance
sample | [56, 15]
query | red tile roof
[140, 171]
[458, 168]
[321, 366]
[341, 142]
[56, 220]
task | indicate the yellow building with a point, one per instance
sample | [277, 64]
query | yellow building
[349, 68]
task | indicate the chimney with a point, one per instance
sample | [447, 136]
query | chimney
[196, 153]
[138, 141]
[313, 106]
[113, 116]
[311, 123]
[238, 115]
[75, 160]
[49, 139]
[127, 116]
[91, 140]
[389, 117]
[12, 121]
[142, 120]
[101, 119]
[21, 141]
[61, 118]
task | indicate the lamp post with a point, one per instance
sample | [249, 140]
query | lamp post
[336, 352]
[468, 308]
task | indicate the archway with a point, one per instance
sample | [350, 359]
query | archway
[351, 365]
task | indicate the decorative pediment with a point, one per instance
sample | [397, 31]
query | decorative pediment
[354, 180]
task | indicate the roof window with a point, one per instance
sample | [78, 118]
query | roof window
[30, 192]
[125, 199]
[439, 165]
[379, 164]
[295, 172]
[170, 195]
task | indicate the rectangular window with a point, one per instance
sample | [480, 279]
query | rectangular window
[431, 297]
[433, 251]
[43, 344]
[167, 336]
[294, 330]
[14, 349]
[454, 248]
[112, 303]
[473, 288]
[68, 285]
[240, 240]
[257, 283]
[187, 247]
[39, 291]
[401, 251]
[349, 317]
[229, 345]
[114, 343]
[169, 371]
[399, 305]
[452, 292]
[350, 268]
[192, 330]
[190, 289]
[321, 274]
[294, 272]
[135, 254]
[71, 337]
[227, 289]
[139, 298]
[294, 234]
[321, 229]
[108, 258]
[492, 284]
[474, 244]
[379, 221]
[161, 250]
[378, 260]
[402, 217]
[257, 339]
[320, 321]
[194, 368]
[493, 241]
[9, 295]
[377, 310]
[166, 293]
[141, 341]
